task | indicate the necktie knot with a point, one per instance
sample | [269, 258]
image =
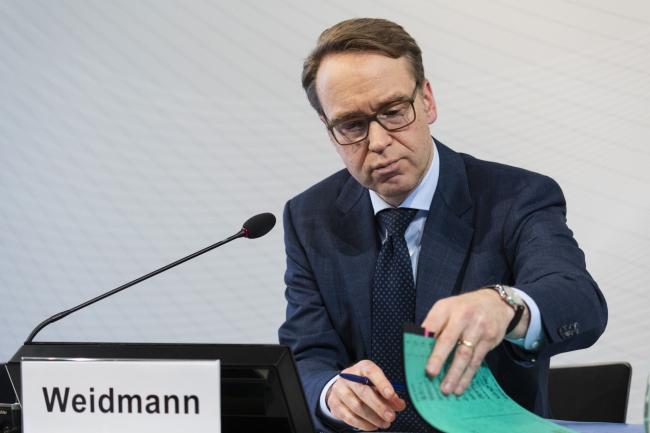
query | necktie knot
[395, 221]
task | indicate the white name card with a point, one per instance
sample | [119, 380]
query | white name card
[122, 396]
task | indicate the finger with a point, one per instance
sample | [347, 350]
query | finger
[389, 399]
[469, 373]
[446, 340]
[397, 403]
[347, 406]
[463, 356]
[437, 318]
[376, 375]
[375, 408]
[438, 321]
[346, 415]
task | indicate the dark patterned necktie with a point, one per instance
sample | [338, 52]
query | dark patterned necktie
[393, 303]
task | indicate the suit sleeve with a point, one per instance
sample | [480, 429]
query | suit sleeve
[308, 330]
[548, 265]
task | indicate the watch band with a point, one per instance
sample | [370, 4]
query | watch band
[509, 299]
[519, 311]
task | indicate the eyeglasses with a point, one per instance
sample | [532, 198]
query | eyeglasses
[392, 117]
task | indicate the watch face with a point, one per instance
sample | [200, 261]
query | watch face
[513, 298]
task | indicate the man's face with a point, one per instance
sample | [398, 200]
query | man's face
[390, 163]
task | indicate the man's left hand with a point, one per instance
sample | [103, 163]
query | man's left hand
[473, 324]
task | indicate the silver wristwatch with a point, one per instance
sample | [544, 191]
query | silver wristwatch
[510, 297]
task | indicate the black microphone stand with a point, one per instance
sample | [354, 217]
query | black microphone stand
[62, 314]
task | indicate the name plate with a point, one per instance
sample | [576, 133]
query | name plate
[121, 396]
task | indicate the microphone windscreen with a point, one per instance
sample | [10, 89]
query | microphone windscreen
[259, 225]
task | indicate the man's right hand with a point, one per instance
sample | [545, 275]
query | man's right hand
[362, 406]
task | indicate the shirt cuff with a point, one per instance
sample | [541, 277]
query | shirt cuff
[532, 341]
[323, 403]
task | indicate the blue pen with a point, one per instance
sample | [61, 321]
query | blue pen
[398, 387]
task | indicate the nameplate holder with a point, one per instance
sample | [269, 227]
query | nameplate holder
[145, 396]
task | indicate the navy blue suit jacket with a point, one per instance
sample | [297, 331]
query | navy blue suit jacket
[488, 223]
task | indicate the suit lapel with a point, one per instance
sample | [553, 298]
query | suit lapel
[447, 235]
[358, 247]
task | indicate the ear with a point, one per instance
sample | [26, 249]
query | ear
[429, 102]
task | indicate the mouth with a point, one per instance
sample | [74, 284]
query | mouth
[387, 169]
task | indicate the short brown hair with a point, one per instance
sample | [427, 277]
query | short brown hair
[361, 35]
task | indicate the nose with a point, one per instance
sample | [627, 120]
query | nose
[378, 137]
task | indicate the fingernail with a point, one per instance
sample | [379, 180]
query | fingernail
[388, 416]
[430, 370]
[446, 388]
[388, 393]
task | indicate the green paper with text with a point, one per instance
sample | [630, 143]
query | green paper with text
[483, 408]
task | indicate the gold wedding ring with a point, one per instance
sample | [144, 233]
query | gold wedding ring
[465, 343]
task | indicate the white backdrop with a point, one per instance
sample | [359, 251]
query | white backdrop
[133, 133]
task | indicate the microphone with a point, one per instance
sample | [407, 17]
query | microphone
[255, 227]
[258, 225]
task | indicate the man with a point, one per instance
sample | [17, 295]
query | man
[476, 252]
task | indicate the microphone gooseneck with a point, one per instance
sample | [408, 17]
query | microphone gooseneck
[254, 227]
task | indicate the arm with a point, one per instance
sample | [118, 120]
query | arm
[308, 331]
[320, 352]
[547, 265]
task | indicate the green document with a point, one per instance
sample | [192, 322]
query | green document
[483, 407]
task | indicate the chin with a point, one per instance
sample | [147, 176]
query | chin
[393, 195]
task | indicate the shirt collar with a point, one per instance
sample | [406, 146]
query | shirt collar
[420, 198]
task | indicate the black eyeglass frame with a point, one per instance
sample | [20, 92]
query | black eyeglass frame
[368, 119]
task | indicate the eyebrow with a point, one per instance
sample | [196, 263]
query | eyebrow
[392, 99]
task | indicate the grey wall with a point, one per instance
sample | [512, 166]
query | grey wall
[132, 133]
